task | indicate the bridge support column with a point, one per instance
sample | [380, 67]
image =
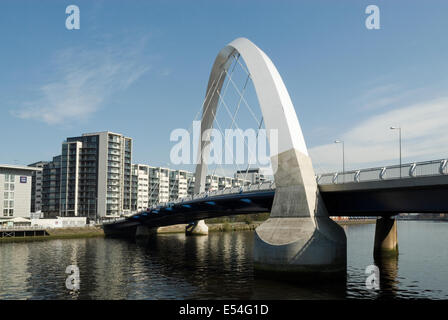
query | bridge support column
[144, 232]
[299, 240]
[197, 228]
[386, 239]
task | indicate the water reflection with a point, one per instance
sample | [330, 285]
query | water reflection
[388, 267]
[173, 266]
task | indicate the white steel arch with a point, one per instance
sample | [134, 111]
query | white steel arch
[273, 97]
[298, 237]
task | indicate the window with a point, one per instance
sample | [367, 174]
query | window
[5, 212]
[6, 195]
[11, 212]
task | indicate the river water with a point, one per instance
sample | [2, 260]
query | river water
[218, 266]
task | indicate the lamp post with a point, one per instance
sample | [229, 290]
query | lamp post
[399, 141]
[343, 159]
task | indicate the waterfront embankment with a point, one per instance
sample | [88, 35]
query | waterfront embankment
[97, 231]
[60, 233]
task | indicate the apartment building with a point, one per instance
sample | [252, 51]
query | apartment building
[51, 187]
[159, 185]
[140, 187]
[225, 182]
[91, 178]
[255, 176]
[178, 184]
[211, 183]
[190, 183]
[37, 186]
[154, 185]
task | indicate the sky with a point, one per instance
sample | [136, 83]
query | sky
[140, 68]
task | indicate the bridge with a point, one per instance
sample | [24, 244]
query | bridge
[421, 188]
[299, 239]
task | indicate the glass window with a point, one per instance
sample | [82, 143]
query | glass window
[5, 203]
[5, 195]
[11, 187]
[6, 186]
[11, 178]
[11, 212]
[5, 212]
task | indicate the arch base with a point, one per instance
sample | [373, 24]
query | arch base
[301, 248]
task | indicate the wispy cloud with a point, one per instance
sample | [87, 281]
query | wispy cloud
[81, 81]
[372, 142]
[388, 96]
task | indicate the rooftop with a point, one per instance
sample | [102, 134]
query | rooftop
[16, 167]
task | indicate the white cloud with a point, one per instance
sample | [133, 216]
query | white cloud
[371, 142]
[82, 81]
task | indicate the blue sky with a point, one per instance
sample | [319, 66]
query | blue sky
[141, 67]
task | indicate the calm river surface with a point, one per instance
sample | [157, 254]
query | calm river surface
[216, 267]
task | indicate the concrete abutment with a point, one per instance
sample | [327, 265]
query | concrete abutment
[197, 228]
[299, 240]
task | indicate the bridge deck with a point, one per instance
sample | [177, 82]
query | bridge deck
[369, 198]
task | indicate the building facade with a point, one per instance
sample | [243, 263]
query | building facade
[91, 178]
[37, 186]
[140, 187]
[254, 176]
[94, 177]
[159, 185]
[51, 188]
[156, 185]
[15, 191]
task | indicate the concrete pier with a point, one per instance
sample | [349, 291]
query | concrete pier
[299, 240]
[198, 228]
[386, 239]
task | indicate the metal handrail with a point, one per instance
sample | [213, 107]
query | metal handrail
[405, 171]
[21, 228]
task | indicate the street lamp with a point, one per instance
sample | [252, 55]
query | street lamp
[399, 141]
[343, 158]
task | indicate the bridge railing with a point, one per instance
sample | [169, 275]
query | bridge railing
[21, 228]
[407, 170]
[266, 185]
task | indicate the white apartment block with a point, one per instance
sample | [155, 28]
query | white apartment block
[225, 182]
[254, 176]
[159, 185]
[15, 191]
[178, 184]
[140, 187]
[211, 183]
[190, 183]
[156, 185]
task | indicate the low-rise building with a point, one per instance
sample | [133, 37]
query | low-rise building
[60, 222]
[15, 191]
